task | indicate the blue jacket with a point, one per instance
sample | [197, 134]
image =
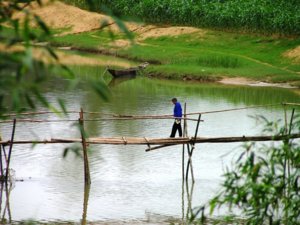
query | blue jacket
[177, 110]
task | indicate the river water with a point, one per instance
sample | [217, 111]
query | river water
[127, 182]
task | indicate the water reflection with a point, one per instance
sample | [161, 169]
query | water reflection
[189, 191]
[117, 81]
[5, 210]
[87, 188]
[5, 191]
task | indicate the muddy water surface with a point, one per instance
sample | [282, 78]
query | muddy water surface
[127, 182]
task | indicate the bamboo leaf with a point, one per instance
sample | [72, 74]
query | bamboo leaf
[52, 53]
[69, 73]
[213, 204]
[62, 105]
[40, 97]
[65, 153]
[42, 24]
[26, 30]
[101, 89]
[29, 101]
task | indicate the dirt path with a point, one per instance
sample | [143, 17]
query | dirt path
[72, 20]
[293, 54]
[248, 82]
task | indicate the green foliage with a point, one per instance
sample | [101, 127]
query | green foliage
[264, 183]
[22, 75]
[210, 61]
[266, 16]
[203, 56]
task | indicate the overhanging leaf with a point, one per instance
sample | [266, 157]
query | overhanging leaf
[42, 24]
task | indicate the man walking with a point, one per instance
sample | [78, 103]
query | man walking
[178, 114]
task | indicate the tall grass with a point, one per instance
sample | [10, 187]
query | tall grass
[265, 16]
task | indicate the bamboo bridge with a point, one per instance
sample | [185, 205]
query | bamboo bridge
[154, 141]
[151, 143]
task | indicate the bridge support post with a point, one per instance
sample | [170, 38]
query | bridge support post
[190, 153]
[4, 170]
[87, 178]
[184, 135]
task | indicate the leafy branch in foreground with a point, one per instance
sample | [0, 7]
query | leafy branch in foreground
[25, 65]
[21, 74]
[264, 183]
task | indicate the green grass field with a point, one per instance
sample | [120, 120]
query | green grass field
[205, 57]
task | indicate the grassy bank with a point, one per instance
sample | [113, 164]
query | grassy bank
[203, 55]
[176, 52]
[264, 16]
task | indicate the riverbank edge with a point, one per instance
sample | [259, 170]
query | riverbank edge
[239, 81]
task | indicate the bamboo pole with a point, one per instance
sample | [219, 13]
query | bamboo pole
[288, 155]
[157, 141]
[10, 149]
[1, 196]
[189, 162]
[174, 141]
[285, 119]
[234, 109]
[7, 206]
[291, 121]
[188, 199]
[87, 178]
[182, 200]
[292, 104]
[116, 115]
[189, 212]
[4, 153]
[223, 110]
[92, 120]
[158, 147]
[1, 164]
[183, 160]
[57, 112]
[184, 127]
[190, 152]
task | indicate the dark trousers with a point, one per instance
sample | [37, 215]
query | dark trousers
[175, 128]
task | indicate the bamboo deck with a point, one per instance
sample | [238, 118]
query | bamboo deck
[154, 141]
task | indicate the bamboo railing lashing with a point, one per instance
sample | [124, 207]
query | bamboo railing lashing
[149, 146]
[125, 141]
